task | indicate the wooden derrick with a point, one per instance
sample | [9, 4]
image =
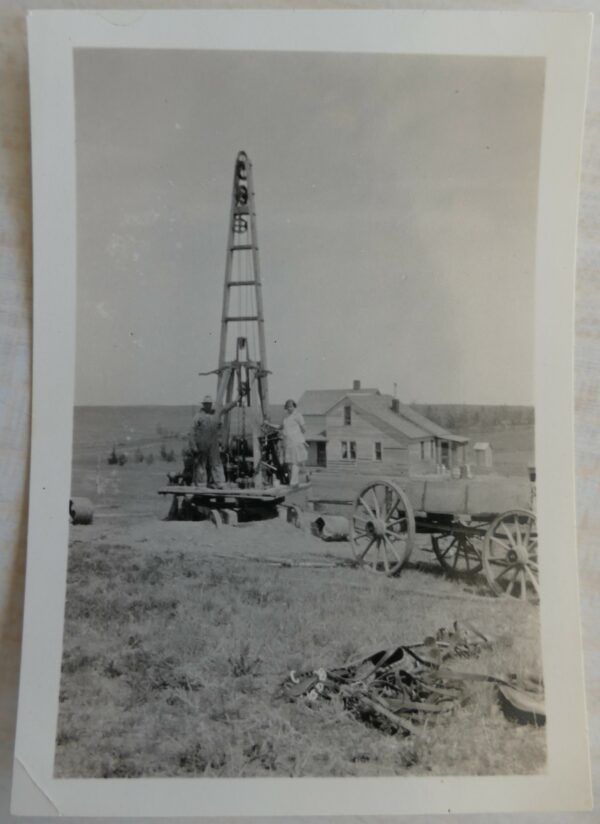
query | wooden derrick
[242, 349]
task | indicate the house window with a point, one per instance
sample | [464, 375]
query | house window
[426, 450]
[348, 450]
[377, 452]
[347, 416]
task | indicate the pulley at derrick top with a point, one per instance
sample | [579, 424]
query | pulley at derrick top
[241, 176]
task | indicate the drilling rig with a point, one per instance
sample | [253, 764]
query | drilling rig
[242, 370]
[257, 482]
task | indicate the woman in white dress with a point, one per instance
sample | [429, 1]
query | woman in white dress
[294, 446]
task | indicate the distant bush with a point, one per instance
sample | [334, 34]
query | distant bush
[117, 459]
[149, 458]
[138, 456]
[473, 416]
[163, 432]
[167, 455]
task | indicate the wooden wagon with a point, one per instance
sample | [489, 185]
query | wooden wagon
[487, 524]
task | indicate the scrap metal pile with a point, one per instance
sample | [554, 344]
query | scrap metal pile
[395, 689]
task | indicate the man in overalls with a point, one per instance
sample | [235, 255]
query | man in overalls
[204, 442]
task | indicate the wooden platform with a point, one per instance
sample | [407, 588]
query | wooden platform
[233, 494]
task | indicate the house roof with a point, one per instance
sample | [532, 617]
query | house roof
[379, 407]
[320, 401]
[429, 426]
[370, 401]
[406, 421]
[481, 445]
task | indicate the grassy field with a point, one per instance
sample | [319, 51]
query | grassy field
[178, 635]
[176, 643]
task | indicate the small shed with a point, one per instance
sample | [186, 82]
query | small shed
[483, 454]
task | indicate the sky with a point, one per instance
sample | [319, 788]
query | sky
[396, 218]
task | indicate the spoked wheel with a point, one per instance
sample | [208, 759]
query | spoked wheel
[510, 555]
[382, 528]
[458, 552]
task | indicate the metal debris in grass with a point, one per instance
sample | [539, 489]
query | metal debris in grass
[397, 689]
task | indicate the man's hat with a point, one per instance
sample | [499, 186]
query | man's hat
[207, 399]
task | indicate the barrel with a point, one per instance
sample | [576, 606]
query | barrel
[81, 511]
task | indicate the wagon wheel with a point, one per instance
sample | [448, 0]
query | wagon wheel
[458, 552]
[510, 555]
[382, 527]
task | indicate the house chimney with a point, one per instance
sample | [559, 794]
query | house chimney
[395, 389]
[355, 386]
[396, 406]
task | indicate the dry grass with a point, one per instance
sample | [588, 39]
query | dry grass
[176, 640]
[173, 655]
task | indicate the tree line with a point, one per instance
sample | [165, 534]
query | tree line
[474, 416]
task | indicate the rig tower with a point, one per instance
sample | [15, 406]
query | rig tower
[242, 350]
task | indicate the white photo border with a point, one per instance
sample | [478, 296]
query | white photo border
[563, 40]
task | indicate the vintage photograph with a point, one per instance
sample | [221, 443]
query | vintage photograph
[303, 536]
